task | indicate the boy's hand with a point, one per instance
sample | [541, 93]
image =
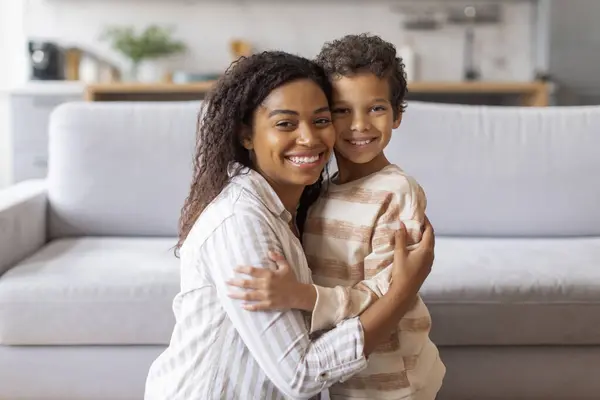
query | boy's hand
[271, 290]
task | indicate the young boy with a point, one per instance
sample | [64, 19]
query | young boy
[349, 232]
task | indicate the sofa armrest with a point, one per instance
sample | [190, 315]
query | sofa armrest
[22, 221]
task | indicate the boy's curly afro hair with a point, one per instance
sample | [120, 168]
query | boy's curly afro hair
[366, 53]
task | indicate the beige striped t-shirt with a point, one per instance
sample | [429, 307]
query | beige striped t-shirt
[349, 244]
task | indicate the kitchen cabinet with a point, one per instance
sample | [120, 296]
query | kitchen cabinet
[30, 110]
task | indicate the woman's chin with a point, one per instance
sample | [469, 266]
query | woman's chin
[307, 176]
[306, 179]
[312, 181]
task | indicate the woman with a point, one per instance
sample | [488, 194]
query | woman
[263, 142]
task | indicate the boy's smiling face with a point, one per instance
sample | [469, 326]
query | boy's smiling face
[363, 117]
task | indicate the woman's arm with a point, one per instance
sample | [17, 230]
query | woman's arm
[279, 340]
[410, 210]
[278, 289]
[409, 271]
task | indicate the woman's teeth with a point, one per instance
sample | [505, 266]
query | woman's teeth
[304, 160]
[361, 142]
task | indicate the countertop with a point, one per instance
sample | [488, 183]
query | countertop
[532, 93]
[535, 93]
[41, 88]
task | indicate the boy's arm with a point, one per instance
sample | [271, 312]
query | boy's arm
[336, 304]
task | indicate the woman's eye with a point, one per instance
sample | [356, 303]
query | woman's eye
[323, 121]
[284, 125]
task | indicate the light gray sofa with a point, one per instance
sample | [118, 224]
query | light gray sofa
[88, 272]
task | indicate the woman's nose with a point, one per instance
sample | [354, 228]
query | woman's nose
[308, 136]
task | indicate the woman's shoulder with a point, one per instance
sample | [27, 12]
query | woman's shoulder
[233, 206]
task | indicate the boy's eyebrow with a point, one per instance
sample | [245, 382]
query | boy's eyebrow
[288, 112]
[381, 99]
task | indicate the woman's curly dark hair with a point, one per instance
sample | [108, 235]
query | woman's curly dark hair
[366, 53]
[229, 108]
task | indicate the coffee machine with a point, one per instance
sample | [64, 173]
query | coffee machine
[46, 60]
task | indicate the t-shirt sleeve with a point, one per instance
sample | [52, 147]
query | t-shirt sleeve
[338, 303]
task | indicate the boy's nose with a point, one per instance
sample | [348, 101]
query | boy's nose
[360, 124]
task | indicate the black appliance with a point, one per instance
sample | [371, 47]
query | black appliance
[47, 61]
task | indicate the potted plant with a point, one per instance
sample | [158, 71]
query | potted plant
[151, 44]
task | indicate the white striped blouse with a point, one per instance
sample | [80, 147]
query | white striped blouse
[218, 350]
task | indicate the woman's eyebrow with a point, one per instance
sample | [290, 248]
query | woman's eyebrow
[288, 112]
[292, 112]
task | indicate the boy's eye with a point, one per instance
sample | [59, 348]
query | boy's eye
[378, 108]
[341, 110]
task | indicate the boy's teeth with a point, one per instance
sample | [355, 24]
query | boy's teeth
[361, 142]
[304, 160]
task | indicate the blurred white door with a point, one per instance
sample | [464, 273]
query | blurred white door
[13, 71]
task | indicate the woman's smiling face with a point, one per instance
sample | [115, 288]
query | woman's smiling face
[292, 134]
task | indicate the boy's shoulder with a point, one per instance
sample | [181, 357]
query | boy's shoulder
[392, 178]
[390, 186]
[387, 193]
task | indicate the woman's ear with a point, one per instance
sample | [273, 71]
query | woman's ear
[398, 119]
[246, 138]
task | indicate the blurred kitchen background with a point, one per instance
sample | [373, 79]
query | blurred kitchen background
[503, 52]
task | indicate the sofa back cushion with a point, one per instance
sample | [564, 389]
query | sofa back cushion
[120, 169]
[124, 169]
[504, 171]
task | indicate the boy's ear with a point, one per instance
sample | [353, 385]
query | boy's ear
[246, 138]
[398, 119]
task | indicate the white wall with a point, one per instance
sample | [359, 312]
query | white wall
[208, 26]
[5, 159]
[12, 72]
[505, 50]
[575, 51]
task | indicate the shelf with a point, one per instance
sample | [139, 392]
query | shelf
[530, 93]
[151, 92]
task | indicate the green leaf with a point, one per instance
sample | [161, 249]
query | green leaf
[153, 42]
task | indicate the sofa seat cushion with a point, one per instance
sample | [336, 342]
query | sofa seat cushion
[91, 291]
[515, 291]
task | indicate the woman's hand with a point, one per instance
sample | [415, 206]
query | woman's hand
[273, 290]
[409, 271]
[411, 268]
